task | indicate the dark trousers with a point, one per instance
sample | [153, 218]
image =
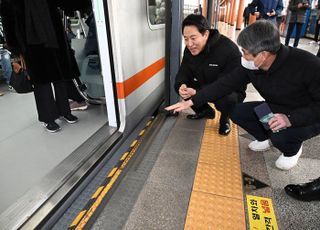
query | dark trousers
[73, 93]
[316, 33]
[225, 105]
[288, 141]
[246, 21]
[298, 33]
[318, 54]
[51, 106]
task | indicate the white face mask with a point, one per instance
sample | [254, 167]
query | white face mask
[248, 64]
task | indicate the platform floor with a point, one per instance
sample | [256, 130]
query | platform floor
[158, 193]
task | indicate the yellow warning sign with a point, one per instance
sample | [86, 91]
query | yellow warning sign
[261, 213]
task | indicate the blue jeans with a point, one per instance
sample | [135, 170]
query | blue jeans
[6, 64]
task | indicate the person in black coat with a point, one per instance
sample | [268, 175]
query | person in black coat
[208, 56]
[287, 78]
[34, 29]
[246, 16]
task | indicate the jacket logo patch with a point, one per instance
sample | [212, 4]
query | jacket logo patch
[213, 64]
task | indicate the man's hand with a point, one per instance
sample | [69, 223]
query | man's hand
[300, 5]
[272, 13]
[279, 121]
[186, 92]
[178, 107]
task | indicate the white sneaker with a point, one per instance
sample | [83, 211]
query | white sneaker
[286, 163]
[259, 146]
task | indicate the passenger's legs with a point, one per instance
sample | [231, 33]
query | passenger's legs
[298, 34]
[316, 34]
[289, 32]
[51, 106]
[73, 93]
[46, 105]
[61, 97]
[6, 66]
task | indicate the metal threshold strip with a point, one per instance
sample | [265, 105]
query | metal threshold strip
[38, 202]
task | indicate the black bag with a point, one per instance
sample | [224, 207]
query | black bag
[20, 79]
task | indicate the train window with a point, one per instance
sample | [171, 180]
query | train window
[156, 13]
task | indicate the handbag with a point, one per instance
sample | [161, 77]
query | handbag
[20, 79]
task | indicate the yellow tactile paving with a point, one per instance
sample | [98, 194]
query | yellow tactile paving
[207, 211]
[219, 180]
[217, 197]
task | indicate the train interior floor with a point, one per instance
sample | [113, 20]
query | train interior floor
[28, 152]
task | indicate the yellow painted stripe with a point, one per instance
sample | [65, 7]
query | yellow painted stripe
[133, 143]
[98, 201]
[142, 132]
[97, 192]
[112, 172]
[78, 218]
[99, 195]
[124, 156]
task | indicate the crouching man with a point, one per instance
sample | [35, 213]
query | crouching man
[208, 56]
[289, 81]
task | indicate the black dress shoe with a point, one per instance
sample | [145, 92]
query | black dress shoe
[224, 128]
[210, 114]
[305, 192]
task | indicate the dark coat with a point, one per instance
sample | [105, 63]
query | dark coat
[298, 14]
[291, 86]
[45, 48]
[219, 57]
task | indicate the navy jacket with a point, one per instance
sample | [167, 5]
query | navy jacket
[266, 6]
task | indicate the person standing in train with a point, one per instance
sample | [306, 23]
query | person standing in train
[208, 56]
[34, 29]
[297, 17]
[286, 77]
[266, 9]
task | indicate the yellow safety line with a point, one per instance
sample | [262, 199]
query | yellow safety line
[86, 213]
[217, 195]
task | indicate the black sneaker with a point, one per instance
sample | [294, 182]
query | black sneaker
[224, 128]
[208, 113]
[70, 118]
[52, 127]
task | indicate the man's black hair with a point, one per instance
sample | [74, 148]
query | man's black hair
[198, 21]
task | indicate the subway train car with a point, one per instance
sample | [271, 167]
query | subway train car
[124, 81]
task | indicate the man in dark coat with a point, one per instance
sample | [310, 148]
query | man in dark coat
[246, 16]
[289, 81]
[34, 29]
[297, 17]
[207, 57]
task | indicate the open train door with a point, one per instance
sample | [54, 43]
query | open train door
[100, 10]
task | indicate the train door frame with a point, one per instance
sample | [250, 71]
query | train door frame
[101, 15]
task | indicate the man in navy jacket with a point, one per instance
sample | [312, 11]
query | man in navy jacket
[266, 9]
